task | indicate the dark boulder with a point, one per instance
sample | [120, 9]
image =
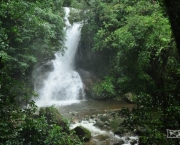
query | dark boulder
[141, 131]
[99, 123]
[83, 133]
[130, 97]
[133, 142]
[119, 131]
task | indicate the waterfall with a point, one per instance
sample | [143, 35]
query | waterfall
[63, 86]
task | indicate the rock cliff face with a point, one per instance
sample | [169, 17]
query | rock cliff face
[88, 60]
[90, 64]
[94, 62]
[87, 64]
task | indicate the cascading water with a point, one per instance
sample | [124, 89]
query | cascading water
[63, 86]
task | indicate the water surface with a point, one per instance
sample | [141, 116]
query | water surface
[90, 107]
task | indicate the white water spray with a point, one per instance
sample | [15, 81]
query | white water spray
[95, 131]
[63, 86]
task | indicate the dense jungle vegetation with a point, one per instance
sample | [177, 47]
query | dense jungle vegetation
[30, 32]
[140, 55]
[138, 41]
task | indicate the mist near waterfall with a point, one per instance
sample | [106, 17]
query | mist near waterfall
[63, 86]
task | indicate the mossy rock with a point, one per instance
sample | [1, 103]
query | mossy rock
[83, 133]
[119, 131]
[140, 131]
[53, 116]
[114, 124]
[99, 123]
[131, 98]
[104, 117]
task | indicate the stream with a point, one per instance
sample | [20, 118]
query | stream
[91, 107]
[85, 114]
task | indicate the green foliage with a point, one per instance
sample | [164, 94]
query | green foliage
[104, 89]
[19, 126]
[30, 34]
[171, 9]
[135, 41]
[57, 137]
[79, 4]
[74, 16]
[30, 31]
[67, 3]
[82, 133]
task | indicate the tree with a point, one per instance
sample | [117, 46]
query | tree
[30, 31]
[135, 41]
[28, 36]
[172, 9]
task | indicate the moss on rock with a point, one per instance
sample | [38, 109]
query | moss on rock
[53, 116]
[83, 133]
